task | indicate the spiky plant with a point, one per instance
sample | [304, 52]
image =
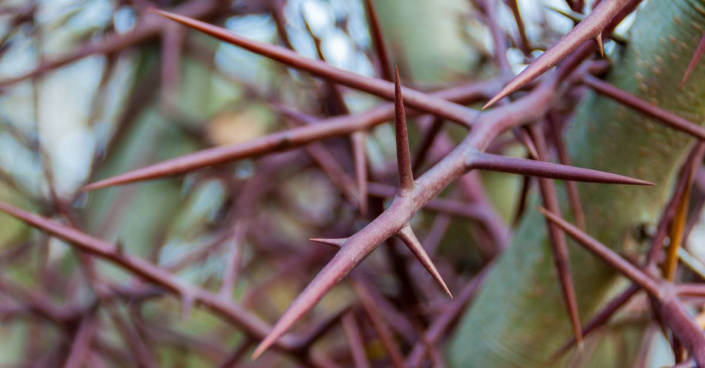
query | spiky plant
[624, 124]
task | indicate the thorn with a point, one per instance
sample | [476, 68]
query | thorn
[625, 98]
[119, 247]
[427, 142]
[624, 267]
[559, 249]
[487, 161]
[337, 243]
[379, 324]
[186, 306]
[357, 247]
[670, 265]
[600, 47]
[564, 159]
[360, 162]
[600, 318]
[578, 17]
[590, 27]
[378, 41]
[377, 87]
[355, 341]
[694, 61]
[406, 234]
[406, 176]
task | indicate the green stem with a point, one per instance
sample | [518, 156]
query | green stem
[519, 318]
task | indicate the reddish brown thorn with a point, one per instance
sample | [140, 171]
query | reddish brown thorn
[337, 243]
[629, 100]
[523, 136]
[624, 267]
[600, 318]
[275, 142]
[406, 176]
[119, 247]
[406, 234]
[424, 147]
[557, 240]
[354, 251]
[186, 306]
[357, 345]
[378, 41]
[321, 328]
[360, 161]
[487, 161]
[384, 89]
[378, 323]
[564, 159]
[600, 47]
[693, 61]
[81, 347]
[588, 29]
[577, 17]
[676, 237]
[523, 41]
[231, 312]
[521, 203]
[172, 49]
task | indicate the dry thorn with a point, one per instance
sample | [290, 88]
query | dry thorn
[600, 318]
[670, 265]
[693, 61]
[186, 306]
[406, 176]
[336, 243]
[378, 41]
[406, 234]
[379, 324]
[600, 250]
[360, 161]
[564, 159]
[384, 89]
[600, 47]
[625, 98]
[589, 28]
[357, 345]
[578, 17]
[249, 323]
[557, 240]
[487, 161]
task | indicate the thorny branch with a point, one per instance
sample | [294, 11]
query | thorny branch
[571, 55]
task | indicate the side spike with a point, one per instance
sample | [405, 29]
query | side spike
[578, 17]
[694, 61]
[625, 98]
[624, 267]
[600, 47]
[384, 89]
[378, 41]
[600, 318]
[360, 162]
[487, 161]
[406, 234]
[676, 237]
[406, 176]
[186, 306]
[561, 258]
[119, 247]
[589, 28]
[356, 248]
[337, 243]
